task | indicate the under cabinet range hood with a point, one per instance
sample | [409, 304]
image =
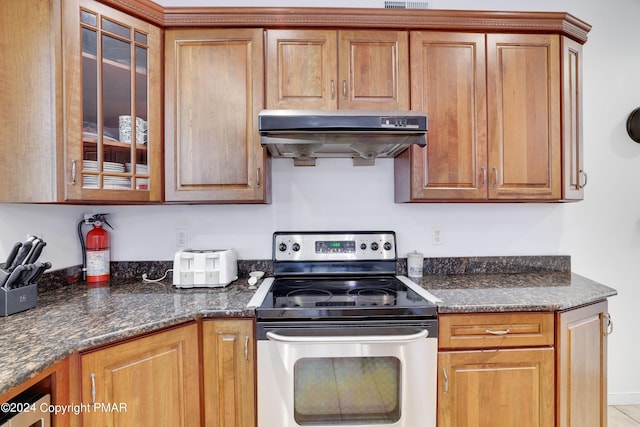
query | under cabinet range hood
[305, 135]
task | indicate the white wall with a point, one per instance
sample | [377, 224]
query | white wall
[602, 233]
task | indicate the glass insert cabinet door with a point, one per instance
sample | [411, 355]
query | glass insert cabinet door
[120, 106]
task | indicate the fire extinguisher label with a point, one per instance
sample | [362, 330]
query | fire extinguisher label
[97, 263]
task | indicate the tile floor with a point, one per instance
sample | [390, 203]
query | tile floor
[624, 416]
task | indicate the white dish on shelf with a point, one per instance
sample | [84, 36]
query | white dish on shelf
[89, 181]
[90, 165]
[113, 167]
[140, 168]
[116, 180]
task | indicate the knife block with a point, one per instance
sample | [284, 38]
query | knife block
[18, 299]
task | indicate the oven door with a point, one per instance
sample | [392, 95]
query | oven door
[347, 376]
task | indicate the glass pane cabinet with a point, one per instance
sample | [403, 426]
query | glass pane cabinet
[118, 122]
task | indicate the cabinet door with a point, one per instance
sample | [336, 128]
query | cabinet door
[214, 83]
[373, 70]
[112, 71]
[574, 176]
[449, 84]
[500, 388]
[31, 110]
[523, 99]
[150, 381]
[229, 376]
[302, 69]
[582, 366]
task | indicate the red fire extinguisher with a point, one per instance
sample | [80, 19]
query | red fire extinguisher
[96, 255]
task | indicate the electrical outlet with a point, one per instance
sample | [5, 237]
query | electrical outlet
[437, 236]
[182, 238]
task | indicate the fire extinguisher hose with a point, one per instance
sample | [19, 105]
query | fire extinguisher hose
[84, 251]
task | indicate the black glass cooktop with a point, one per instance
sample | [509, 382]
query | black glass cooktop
[352, 297]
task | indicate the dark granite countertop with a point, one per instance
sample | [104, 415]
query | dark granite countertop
[552, 291]
[74, 318]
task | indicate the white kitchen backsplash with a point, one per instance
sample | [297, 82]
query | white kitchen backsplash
[334, 195]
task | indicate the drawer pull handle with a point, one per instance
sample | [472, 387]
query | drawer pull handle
[505, 332]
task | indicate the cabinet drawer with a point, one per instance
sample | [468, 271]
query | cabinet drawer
[495, 330]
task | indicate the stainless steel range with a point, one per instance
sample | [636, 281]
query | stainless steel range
[343, 340]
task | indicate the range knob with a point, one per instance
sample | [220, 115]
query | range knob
[282, 247]
[374, 246]
[295, 247]
[363, 246]
[387, 246]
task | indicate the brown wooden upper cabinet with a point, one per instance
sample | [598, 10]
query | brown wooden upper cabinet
[328, 70]
[214, 82]
[497, 128]
[89, 69]
[113, 73]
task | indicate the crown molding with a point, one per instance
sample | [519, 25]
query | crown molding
[315, 17]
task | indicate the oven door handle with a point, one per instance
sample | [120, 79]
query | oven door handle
[403, 338]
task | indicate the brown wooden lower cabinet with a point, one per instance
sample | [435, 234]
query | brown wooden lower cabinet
[518, 369]
[498, 388]
[494, 370]
[581, 353]
[148, 381]
[229, 373]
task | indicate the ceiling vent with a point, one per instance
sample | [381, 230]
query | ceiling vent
[406, 4]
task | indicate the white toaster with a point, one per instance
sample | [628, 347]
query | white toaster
[208, 268]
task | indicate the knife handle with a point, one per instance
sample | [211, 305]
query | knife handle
[22, 254]
[42, 267]
[14, 277]
[35, 253]
[12, 255]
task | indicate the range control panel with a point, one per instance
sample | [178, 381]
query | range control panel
[334, 246]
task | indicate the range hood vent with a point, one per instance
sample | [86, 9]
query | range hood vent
[305, 135]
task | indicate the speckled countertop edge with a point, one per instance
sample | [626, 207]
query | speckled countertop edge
[74, 317]
[552, 291]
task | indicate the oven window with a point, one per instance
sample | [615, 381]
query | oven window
[347, 390]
